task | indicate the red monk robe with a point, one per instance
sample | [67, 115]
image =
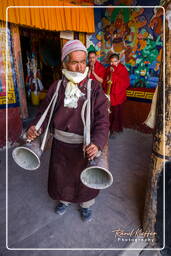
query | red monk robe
[67, 160]
[120, 81]
[99, 70]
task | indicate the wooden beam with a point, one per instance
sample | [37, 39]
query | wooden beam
[162, 141]
[19, 70]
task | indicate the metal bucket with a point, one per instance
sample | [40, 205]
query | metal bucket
[28, 155]
[97, 175]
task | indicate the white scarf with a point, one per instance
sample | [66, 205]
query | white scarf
[72, 92]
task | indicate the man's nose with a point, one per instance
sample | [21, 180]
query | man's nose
[79, 68]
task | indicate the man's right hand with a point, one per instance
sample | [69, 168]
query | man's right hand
[91, 67]
[32, 133]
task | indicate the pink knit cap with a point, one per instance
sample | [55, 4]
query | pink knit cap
[72, 46]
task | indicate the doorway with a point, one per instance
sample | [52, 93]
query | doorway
[41, 57]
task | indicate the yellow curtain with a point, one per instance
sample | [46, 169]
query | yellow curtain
[52, 18]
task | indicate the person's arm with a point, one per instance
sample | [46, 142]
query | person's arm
[98, 78]
[31, 132]
[105, 79]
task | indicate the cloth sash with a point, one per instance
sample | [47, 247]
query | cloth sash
[68, 137]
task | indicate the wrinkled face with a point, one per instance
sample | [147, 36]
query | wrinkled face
[92, 58]
[114, 62]
[77, 62]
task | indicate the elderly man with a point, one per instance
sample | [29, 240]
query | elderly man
[69, 155]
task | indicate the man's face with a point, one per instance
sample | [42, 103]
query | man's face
[92, 59]
[77, 62]
[114, 62]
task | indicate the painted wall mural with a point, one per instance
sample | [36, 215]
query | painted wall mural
[12, 92]
[136, 35]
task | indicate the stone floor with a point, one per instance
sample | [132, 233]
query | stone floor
[32, 222]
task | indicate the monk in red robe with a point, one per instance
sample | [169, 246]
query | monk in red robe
[116, 81]
[67, 159]
[96, 69]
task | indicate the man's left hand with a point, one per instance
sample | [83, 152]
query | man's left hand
[91, 151]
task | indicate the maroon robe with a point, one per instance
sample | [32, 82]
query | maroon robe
[67, 160]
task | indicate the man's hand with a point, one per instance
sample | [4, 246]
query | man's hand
[89, 73]
[91, 65]
[111, 69]
[92, 68]
[32, 133]
[91, 151]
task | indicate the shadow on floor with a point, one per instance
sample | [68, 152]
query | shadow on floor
[32, 222]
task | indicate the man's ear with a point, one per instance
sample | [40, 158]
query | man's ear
[64, 65]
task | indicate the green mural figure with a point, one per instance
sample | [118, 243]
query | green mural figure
[150, 52]
[125, 12]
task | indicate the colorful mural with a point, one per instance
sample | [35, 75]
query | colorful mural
[12, 93]
[136, 35]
